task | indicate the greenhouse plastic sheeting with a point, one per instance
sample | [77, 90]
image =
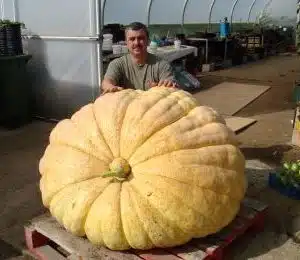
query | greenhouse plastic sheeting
[125, 12]
[66, 69]
[199, 16]
[63, 72]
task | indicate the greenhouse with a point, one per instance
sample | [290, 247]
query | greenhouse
[149, 129]
[64, 37]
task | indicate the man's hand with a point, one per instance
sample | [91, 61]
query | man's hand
[165, 83]
[108, 87]
[111, 89]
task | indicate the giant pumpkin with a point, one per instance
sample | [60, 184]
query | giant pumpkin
[143, 169]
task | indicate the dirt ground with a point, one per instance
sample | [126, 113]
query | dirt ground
[267, 141]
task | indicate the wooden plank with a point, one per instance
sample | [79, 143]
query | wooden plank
[189, 252]
[33, 238]
[214, 249]
[230, 232]
[255, 204]
[238, 123]
[46, 228]
[247, 213]
[228, 97]
[47, 252]
[49, 227]
[156, 254]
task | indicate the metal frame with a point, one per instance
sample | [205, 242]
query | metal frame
[212, 4]
[250, 10]
[99, 27]
[15, 11]
[149, 5]
[183, 12]
[232, 12]
[102, 15]
[2, 9]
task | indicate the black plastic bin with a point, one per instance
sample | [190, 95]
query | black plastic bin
[3, 41]
[15, 91]
[14, 39]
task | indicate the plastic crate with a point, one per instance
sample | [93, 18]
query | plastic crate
[289, 191]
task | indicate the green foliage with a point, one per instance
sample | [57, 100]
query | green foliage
[7, 22]
[289, 174]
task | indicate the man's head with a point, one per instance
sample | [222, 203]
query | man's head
[137, 38]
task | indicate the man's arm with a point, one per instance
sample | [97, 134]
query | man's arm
[109, 85]
[112, 77]
[166, 75]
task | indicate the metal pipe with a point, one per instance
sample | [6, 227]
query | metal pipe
[212, 4]
[250, 10]
[232, 11]
[183, 12]
[99, 14]
[70, 38]
[149, 11]
[14, 10]
[93, 58]
[102, 17]
[206, 52]
[2, 9]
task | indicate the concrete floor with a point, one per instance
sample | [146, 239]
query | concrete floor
[266, 140]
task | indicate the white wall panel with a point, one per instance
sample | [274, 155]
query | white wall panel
[56, 17]
[63, 76]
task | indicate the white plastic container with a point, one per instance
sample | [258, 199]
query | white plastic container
[153, 47]
[107, 42]
[108, 36]
[117, 49]
[177, 44]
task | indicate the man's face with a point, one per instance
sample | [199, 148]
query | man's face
[137, 42]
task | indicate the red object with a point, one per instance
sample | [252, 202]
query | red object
[250, 218]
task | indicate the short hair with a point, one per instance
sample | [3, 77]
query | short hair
[136, 26]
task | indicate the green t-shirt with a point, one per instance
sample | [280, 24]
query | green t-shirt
[127, 74]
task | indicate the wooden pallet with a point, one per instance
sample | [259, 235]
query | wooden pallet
[48, 240]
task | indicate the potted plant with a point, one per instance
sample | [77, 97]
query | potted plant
[286, 180]
[13, 37]
[3, 41]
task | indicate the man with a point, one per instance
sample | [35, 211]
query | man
[138, 69]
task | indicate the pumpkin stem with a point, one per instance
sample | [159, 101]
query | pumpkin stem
[119, 169]
[113, 174]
